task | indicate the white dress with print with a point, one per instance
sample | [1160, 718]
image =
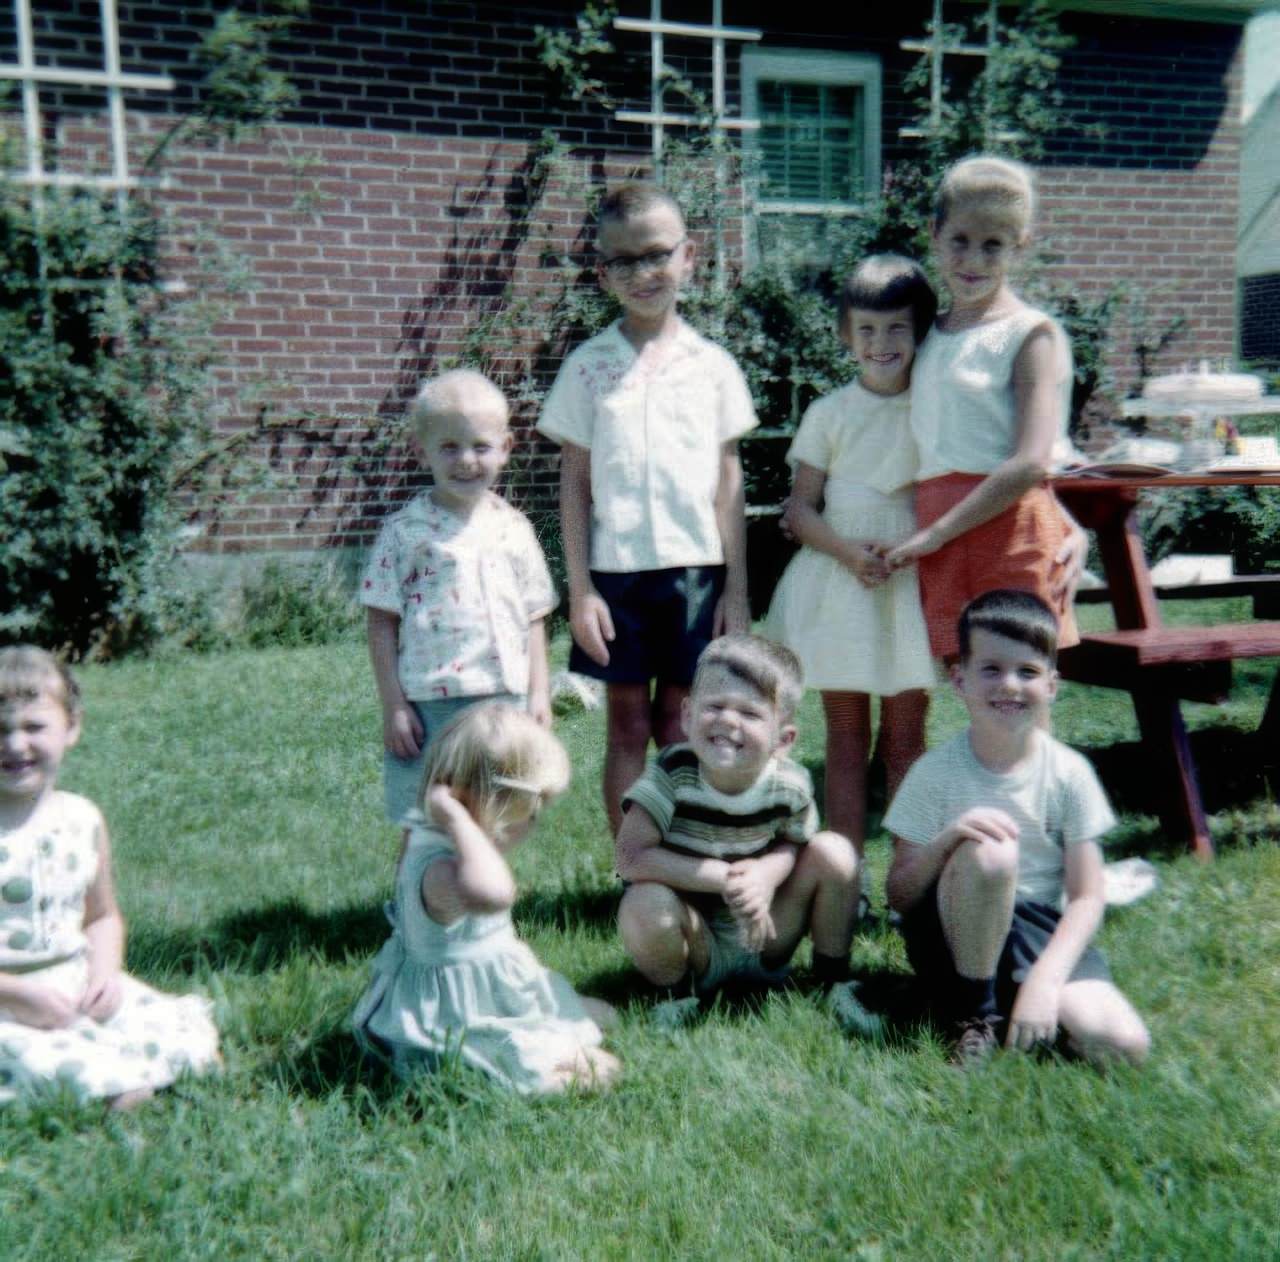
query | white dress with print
[851, 638]
[470, 990]
[46, 866]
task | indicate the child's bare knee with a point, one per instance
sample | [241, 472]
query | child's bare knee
[833, 856]
[994, 863]
[647, 911]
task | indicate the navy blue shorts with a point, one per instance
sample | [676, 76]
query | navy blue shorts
[1029, 934]
[662, 620]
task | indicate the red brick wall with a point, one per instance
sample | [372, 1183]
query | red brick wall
[408, 150]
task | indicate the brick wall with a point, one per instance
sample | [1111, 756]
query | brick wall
[385, 216]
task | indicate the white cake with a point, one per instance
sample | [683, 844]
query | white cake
[1203, 387]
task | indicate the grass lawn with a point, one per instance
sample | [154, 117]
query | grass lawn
[243, 793]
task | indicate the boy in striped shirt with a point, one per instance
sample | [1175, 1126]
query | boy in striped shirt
[719, 847]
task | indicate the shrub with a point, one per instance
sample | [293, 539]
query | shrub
[105, 425]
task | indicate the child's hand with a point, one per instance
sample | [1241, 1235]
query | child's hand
[540, 707]
[787, 522]
[444, 806]
[1034, 1018]
[102, 995]
[748, 891]
[402, 730]
[1068, 566]
[984, 824]
[592, 626]
[865, 561]
[756, 932]
[909, 551]
[41, 1007]
[732, 616]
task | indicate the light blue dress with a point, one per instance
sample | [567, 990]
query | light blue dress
[471, 989]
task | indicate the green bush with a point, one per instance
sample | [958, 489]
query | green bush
[106, 431]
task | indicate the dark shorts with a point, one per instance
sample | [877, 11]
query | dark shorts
[662, 620]
[1029, 934]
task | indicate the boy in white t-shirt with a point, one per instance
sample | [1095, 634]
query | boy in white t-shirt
[648, 415]
[995, 832]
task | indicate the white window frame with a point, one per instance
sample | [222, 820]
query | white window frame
[831, 69]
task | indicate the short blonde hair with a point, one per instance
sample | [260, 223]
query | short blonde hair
[455, 391]
[28, 673]
[1001, 187]
[771, 669]
[493, 754]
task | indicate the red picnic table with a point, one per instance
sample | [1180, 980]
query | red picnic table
[1161, 666]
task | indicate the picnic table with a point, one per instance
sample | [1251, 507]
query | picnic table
[1161, 666]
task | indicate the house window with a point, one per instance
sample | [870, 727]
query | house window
[817, 151]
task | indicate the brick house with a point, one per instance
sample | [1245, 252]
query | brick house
[410, 141]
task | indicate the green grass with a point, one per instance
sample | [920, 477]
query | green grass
[244, 798]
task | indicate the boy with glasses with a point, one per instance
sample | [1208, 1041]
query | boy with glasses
[648, 415]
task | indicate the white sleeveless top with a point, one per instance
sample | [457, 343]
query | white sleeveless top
[962, 404]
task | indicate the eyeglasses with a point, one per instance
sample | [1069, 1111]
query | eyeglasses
[624, 266]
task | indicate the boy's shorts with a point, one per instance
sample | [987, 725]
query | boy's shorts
[1033, 925]
[662, 620]
[402, 777]
[727, 959]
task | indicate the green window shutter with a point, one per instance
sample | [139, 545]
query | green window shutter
[811, 141]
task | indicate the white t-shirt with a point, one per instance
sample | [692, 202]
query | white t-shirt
[656, 430]
[466, 590]
[1054, 797]
[963, 411]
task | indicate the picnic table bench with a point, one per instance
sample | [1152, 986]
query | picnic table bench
[1161, 666]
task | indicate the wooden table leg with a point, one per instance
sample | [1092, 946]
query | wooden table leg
[1164, 736]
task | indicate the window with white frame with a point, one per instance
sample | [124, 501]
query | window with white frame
[817, 150]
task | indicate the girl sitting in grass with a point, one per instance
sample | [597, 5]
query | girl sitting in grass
[454, 980]
[70, 1017]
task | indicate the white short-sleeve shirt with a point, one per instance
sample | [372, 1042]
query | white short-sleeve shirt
[466, 590]
[656, 426]
[1054, 797]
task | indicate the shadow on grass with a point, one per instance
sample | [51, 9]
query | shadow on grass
[262, 939]
[566, 910]
[1234, 770]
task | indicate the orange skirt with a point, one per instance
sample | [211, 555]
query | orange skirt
[1014, 549]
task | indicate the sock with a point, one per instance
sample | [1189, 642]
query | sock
[976, 996]
[829, 969]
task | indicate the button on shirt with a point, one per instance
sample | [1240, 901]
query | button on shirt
[656, 425]
[466, 590]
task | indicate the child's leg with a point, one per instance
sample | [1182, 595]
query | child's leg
[630, 724]
[820, 897]
[848, 748]
[1101, 1023]
[663, 935]
[976, 893]
[901, 737]
[666, 715]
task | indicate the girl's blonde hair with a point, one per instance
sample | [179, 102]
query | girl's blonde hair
[1002, 187]
[492, 756]
[28, 673]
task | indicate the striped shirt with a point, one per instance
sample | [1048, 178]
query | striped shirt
[699, 820]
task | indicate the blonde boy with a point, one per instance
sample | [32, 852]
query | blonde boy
[456, 586]
[993, 832]
[648, 415]
[726, 870]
